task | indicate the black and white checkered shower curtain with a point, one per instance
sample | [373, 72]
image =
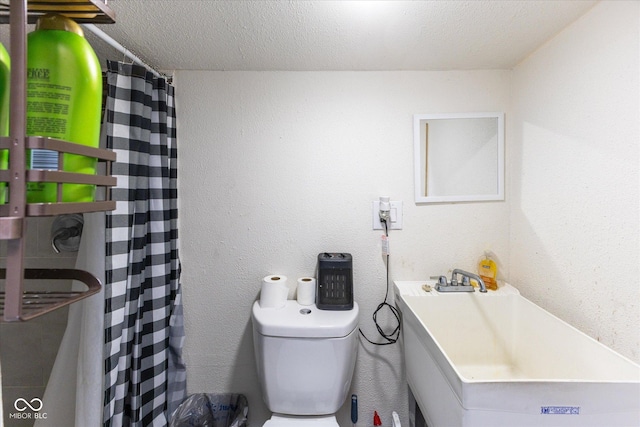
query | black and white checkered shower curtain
[145, 375]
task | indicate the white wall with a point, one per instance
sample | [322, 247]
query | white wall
[574, 158]
[276, 167]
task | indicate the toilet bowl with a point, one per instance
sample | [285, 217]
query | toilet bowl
[305, 359]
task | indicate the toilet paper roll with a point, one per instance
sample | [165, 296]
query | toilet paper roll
[274, 292]
[306, 293]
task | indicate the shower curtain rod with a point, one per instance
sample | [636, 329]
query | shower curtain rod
[113, 43]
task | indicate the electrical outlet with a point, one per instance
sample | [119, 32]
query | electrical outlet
[395, 212]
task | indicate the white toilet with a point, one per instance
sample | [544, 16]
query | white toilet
[305, 359]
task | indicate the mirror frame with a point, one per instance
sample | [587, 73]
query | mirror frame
[418, 120]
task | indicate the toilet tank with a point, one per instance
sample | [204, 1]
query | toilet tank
[305, 357]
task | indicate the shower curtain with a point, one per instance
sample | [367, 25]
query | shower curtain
[120, 360]
[145, 376]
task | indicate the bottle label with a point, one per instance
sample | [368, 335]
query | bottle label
[43, 160]
[47, 108]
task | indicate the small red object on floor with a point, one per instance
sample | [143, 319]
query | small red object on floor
[376, 419]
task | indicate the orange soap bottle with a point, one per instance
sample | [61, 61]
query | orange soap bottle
[488, 271]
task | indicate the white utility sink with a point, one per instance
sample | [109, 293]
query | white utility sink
[497, 359]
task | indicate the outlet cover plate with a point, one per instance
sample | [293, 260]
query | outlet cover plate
[396, 216]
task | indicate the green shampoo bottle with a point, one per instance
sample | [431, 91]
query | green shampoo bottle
[64, 96]
[5, 84]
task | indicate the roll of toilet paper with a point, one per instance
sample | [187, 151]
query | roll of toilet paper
[306, 292]
[274, 292]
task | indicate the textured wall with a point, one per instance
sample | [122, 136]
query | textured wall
[574, 158]
[276, 167]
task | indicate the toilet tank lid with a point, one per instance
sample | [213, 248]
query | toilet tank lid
[303, 321]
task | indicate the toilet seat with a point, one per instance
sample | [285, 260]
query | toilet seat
[278, 420]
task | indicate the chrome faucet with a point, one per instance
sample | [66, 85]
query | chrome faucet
[455, 286]
[466, 276]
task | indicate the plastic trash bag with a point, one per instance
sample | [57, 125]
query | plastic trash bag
[211, 410]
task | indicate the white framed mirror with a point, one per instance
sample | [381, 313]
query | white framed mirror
[458, 157]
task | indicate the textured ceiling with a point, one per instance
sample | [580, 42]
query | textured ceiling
[335, 35]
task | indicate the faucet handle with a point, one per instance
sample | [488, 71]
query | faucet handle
[454, 278]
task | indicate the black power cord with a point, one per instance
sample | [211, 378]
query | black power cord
[391, 337]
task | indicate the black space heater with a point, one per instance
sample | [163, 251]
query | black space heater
[334, 282]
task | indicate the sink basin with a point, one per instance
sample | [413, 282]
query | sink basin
[497, 359]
